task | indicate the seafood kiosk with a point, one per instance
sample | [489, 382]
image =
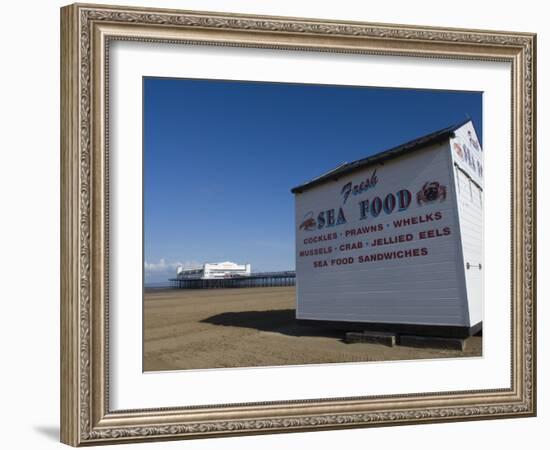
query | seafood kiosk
[394, 242]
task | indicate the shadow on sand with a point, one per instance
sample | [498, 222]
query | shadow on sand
[281, 321]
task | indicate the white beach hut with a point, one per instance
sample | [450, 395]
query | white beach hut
[394, 242]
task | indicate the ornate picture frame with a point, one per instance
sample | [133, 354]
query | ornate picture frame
[87, 31]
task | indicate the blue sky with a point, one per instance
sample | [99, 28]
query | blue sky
[220, 158]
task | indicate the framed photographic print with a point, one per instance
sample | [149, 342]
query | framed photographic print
[275, 224]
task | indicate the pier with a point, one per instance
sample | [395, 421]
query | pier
[260, 279]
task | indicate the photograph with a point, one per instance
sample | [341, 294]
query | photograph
[288, 223]
[296, 224]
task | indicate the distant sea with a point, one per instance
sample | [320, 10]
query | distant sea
[158, 285]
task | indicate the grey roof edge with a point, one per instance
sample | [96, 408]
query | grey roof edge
[415, 144]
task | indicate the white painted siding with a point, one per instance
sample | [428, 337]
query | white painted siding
[468, 169]
[425, 289]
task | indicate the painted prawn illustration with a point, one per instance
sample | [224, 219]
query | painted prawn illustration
[309, 222]
[430, 192]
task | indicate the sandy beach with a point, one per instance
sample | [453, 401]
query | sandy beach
[213, 328]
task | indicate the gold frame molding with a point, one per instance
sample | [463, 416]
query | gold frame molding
[86, 31]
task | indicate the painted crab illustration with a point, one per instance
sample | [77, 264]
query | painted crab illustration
[309, 222]
[430, 192]
[458, 150]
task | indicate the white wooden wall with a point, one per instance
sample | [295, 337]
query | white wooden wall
[469, 186]
[418, 290]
